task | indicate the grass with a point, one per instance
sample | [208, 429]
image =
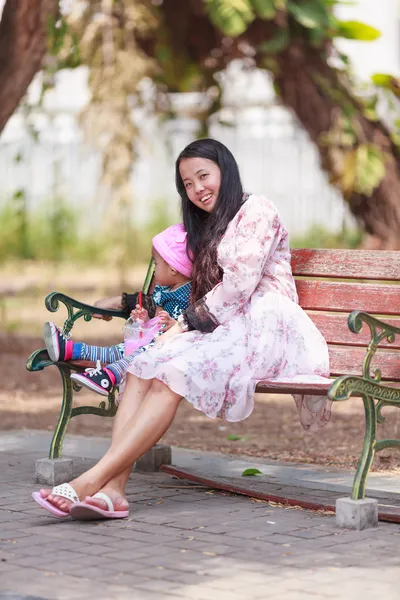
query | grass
[55, 233]
[319, 237]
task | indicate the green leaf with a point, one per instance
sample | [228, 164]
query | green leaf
[355, 30]
[277, 43]
[382, 79]
[311, 14]
[265, 9]
[232, 17]
[316, 37]
[233, 437]
[370, 169]
[249, 472]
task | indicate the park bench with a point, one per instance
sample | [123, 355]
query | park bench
[330, 285]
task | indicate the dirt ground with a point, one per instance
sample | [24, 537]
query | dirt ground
[32, 401]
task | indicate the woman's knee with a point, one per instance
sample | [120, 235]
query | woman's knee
[158, 387]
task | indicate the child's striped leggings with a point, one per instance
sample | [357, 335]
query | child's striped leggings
[111, 357]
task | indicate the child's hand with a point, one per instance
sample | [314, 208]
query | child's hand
[139, 314]
[165, 320]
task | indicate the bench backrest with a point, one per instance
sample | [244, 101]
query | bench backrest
[333, 283]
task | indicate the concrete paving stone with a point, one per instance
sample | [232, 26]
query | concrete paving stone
[11, 526]
[160, 586]
[309, 533]
[195, 592]
[5, 535]
[276, 538]
[191, 566]
[132, 581]
[188, 544]
[126, 545]
[133, 555]
[94, 573]
[15, 596]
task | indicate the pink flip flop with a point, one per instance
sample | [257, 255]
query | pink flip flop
[65, 490]
[82, 511]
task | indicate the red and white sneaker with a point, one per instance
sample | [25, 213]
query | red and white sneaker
[58, 345]
[101, 381]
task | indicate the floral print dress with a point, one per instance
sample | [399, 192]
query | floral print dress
[256, 329]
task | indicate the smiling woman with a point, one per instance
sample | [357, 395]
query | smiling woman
[243, 325]
[202, 179]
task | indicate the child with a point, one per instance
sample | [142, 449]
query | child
[170, 296]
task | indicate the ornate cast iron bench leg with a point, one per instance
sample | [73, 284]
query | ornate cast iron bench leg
[375, 396]
[65, 413]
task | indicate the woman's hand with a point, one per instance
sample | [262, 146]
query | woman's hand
[175, 329]
[166, 320]
[113, 303]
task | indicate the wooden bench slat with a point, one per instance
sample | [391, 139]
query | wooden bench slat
[341, 296]
[282, 387]
[348, 360]
[347, 264]
[335, 330]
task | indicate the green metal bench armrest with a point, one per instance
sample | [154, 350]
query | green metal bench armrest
[350, 385]
[379, 331]
[357, 318]
[86, 311]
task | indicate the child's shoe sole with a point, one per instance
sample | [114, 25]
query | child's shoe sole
[82, 380]
[51, 340]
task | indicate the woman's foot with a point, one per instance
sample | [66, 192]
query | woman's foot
[109, 503]
[118, 499]
[78, 490]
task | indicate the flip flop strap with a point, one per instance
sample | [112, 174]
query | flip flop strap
[65, 490]
[106, 499]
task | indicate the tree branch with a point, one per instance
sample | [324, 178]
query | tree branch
[23, 32]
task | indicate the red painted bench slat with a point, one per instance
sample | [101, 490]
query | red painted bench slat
[348, 360]
[339, 296]
[347, 264]
[335, 330]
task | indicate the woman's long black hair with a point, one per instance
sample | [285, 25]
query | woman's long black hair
[205, 230]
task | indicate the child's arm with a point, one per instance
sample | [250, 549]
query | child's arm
[113, 303]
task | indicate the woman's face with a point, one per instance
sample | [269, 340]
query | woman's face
[202, 180]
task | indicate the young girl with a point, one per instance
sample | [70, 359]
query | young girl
[243, 325]
[170, 296]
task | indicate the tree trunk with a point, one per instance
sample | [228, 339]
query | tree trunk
[23, 32]
[301, 71]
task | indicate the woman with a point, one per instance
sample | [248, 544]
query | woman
[243, 325]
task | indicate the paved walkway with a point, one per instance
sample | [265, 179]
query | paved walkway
[309, 486]
[181, 541]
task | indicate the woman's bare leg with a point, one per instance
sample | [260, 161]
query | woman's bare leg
[138, 434]
[133, 396]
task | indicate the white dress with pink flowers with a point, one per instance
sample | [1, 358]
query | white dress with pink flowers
[260, 332]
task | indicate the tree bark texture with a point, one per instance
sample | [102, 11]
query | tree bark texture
[23, 32]
[299, 71]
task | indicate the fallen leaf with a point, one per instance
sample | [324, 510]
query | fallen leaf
[250, 472]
